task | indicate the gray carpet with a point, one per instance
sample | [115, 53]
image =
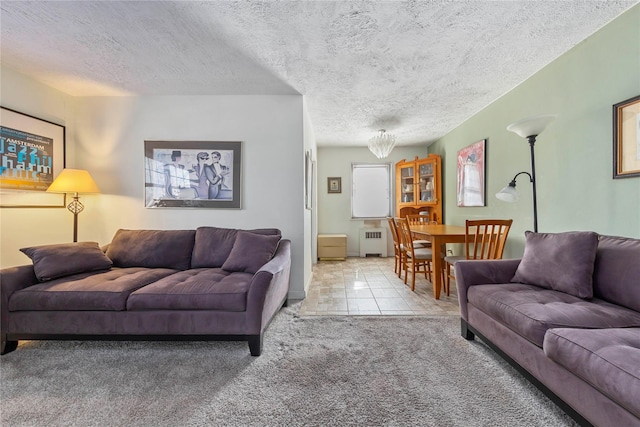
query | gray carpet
[314, 371]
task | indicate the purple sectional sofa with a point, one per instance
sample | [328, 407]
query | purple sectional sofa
[567, 316]
[205, 284]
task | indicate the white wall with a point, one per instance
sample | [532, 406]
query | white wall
[22, 227]
[334, 210]
[105, 135]
[310, 215]
[110, 139]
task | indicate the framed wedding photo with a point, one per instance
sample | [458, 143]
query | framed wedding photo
[626, 138]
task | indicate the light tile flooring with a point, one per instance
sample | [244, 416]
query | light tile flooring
[368, 286]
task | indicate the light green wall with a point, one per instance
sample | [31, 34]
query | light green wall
[334, 210]
[573, 155]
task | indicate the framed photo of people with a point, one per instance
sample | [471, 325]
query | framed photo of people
[471, 174]
[192, 174]
[32, 154]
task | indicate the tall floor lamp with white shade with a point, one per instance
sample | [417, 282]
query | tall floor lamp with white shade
[528, 128]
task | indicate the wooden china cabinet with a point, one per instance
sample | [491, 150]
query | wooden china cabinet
[419, 187]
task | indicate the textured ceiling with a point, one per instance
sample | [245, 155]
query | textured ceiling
[416, 68]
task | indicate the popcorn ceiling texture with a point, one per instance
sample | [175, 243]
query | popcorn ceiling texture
[415, 68]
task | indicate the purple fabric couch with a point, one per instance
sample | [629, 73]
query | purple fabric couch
[205, 284]
[582, 351]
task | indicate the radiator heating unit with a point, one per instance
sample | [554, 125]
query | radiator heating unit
[373, 242]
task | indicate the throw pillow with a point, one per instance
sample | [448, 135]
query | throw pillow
[250, 252]
[152, 248]
[54, 261]
[213, 245]
[560, 261]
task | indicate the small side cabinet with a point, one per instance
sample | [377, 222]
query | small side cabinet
[332, 246]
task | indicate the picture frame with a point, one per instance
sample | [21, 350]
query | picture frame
[308, 179]
[626, 138]
[471, 172]
[32, 154]
[334, 184]
[193, 174]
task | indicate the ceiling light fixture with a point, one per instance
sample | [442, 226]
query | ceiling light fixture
[381, 145]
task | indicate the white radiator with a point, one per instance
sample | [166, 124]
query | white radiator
[373, 242]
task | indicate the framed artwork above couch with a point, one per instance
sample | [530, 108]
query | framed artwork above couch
[192, 174]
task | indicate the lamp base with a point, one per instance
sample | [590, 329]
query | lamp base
[75, 207]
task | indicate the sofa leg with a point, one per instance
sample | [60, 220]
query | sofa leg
[8, 346]
[286, 303]
[255, 344]
[465, 332]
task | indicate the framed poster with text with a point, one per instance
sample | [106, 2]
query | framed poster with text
[32, 154]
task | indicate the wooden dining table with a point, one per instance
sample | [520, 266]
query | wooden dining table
[438, 235]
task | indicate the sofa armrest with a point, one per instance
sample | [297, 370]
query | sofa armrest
[269, 288]
[481, 272]
[13, 279]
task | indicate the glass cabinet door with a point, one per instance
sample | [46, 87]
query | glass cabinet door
[426, 182]
[407, 184]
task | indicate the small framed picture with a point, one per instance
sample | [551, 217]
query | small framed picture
[334, 184]
[626, 138]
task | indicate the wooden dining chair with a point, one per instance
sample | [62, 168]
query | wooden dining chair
[415, 219]
[397, 246]
[484, 239]
[416, 259]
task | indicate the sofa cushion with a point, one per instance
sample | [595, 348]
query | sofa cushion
[152, 248]
[250, 252]
[53, 261]
[530, 310]
[195, 289]
[617, 271]
[560, 261]
[87, 291]
[213, 245]
[608, 359]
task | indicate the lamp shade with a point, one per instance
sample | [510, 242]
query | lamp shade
[508, 194]
[531, 126]
[73, 181]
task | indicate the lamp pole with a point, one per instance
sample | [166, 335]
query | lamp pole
[532, 141]
[75, 207]
[529, 128]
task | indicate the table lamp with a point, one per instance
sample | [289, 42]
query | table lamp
[74, 181]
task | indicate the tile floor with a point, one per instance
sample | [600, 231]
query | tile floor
[368, 286]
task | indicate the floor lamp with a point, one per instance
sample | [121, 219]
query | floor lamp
[74, 181]
[528, 128]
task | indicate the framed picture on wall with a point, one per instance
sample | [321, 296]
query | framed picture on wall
[32, 154]
[308, 179]
[626, 138]
[334, 184]
[192, 174]
[471, 174]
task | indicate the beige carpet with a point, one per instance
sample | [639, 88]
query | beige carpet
[314, 371]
